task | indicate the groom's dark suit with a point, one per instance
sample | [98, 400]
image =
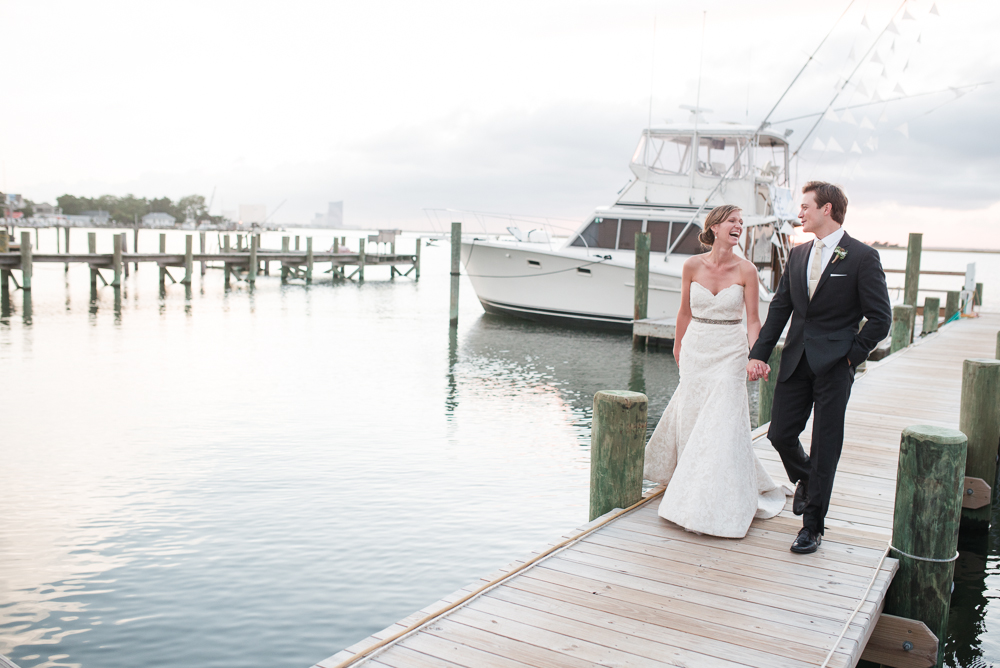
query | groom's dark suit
[822, 349]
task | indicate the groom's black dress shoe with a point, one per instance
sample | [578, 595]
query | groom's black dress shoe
[806, 542]
[801, 498]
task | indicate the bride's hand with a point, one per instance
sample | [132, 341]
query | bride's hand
[677, 355]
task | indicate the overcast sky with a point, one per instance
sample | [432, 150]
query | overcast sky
[523, 107]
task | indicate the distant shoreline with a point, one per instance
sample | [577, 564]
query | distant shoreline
[935, 249]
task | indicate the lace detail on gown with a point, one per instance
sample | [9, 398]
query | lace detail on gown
[701, 447]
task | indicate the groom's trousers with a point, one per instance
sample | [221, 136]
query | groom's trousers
[794, 399]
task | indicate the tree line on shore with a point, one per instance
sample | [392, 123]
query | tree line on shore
[126, 210]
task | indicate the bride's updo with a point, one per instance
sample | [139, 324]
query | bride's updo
[715, 216]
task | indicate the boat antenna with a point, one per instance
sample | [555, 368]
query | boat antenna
[840, 89]
[763, 124]
[701, 64]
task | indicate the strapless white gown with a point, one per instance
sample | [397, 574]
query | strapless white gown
[701, 447]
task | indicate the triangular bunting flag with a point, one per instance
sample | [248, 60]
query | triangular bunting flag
[876, 59]
[892, 47]
[848, 117]
[906, 65]
[907, 16]
[831, 116]
[867, 124]
[872, 143]
[864, 20]
[899, 89]
[933, 11]
[905, 129]
[855, 148]
[862, 91]
[876, 97]
[892, 28]
[834, 146]
[818, 145]
[884, 117]
[852, 56]
[919, 41]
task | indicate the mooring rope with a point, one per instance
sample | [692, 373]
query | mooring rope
[384, 644]
[864, 597]
[913, 556]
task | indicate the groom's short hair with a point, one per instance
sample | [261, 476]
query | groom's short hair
[827, 193]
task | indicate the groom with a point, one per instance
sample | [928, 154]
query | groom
[827, 287]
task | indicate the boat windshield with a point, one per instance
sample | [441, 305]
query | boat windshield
[665, 154]
[716, 154]
[619, 234]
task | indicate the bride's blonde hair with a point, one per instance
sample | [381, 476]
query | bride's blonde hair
[715, 216]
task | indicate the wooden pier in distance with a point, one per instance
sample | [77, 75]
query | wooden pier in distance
[632, 589]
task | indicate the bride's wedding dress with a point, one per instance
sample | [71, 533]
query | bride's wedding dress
[701, 447]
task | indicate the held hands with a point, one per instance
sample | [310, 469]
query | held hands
[756, 369]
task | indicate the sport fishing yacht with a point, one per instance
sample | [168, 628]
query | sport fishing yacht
[680, 172]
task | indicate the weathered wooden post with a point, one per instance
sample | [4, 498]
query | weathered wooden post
[765, 402]
[998, 345]
[333, 263]
[124, 236]
[929, 485]
[38, 244]
[617, 448]
[92, 250]
[912, 281]
[361, 259]
[227, 267]
[66, 265]
[902, 322]
[135, 243]
[932, 311]
[951, 304]
[4, 242]
[239, 242]
[296, 242]
[456, 267]
[979, 294]
[979, 420]
[641, 292]
[188, 259]
[116, 260]
[163, 267]
[252, 273]
[201, 249]
[284, 266]
[416, 261]
[25, 260]
[309, 260]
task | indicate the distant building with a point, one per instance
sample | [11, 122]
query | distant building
[158, 219]
[46, 209]
[334, 217]
[97, 217]
[253, 213]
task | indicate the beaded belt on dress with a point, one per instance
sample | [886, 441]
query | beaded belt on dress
[709, 321]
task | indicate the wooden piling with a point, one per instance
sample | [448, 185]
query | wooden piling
[765, 401]
[227, 267]
[252, 274]
[902, 323]
[4, 242]
[188, 259]
[456, 266]
[951, 304]
[25, 260]
[124, 236]
[116, 260]
[641, 292]
[929, 485]
[135, 244]
[201, 249]
[239, 242]
[296, 242]
[361, 259]
[979, 420]
[163, 267]
[617, 447]
[284, 267]
[932, 310]
[92, 249]
[66, 265]
[416, 261]
[998, 345]
[309, 260]
[912, 280]
[334, 269]
[979, 294]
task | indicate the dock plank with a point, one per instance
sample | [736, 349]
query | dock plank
[633, 589]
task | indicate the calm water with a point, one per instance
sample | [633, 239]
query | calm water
[237, 479]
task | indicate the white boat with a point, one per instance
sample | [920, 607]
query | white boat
[680, 172]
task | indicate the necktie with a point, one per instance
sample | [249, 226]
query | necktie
[816, 267]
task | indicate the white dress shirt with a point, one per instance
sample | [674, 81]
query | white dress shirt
[830, 242]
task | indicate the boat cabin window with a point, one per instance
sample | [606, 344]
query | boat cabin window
[659, 235]
[601, 233]
[626, 236]
[771, 161]
[689, 244]
[665, 154]
[716, 154]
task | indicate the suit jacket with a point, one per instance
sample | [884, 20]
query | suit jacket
[825, 328]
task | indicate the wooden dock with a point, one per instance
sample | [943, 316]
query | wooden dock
[631, 589]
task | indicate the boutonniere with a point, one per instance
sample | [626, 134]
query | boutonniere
[839, 254]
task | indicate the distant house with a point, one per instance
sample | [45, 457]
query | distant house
[46, 209]
[158, 219]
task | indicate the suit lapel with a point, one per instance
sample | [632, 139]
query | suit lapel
[845, 242]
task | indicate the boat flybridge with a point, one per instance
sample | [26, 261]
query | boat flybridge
[680, 172]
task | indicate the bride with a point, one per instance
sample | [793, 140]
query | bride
[701, 447]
